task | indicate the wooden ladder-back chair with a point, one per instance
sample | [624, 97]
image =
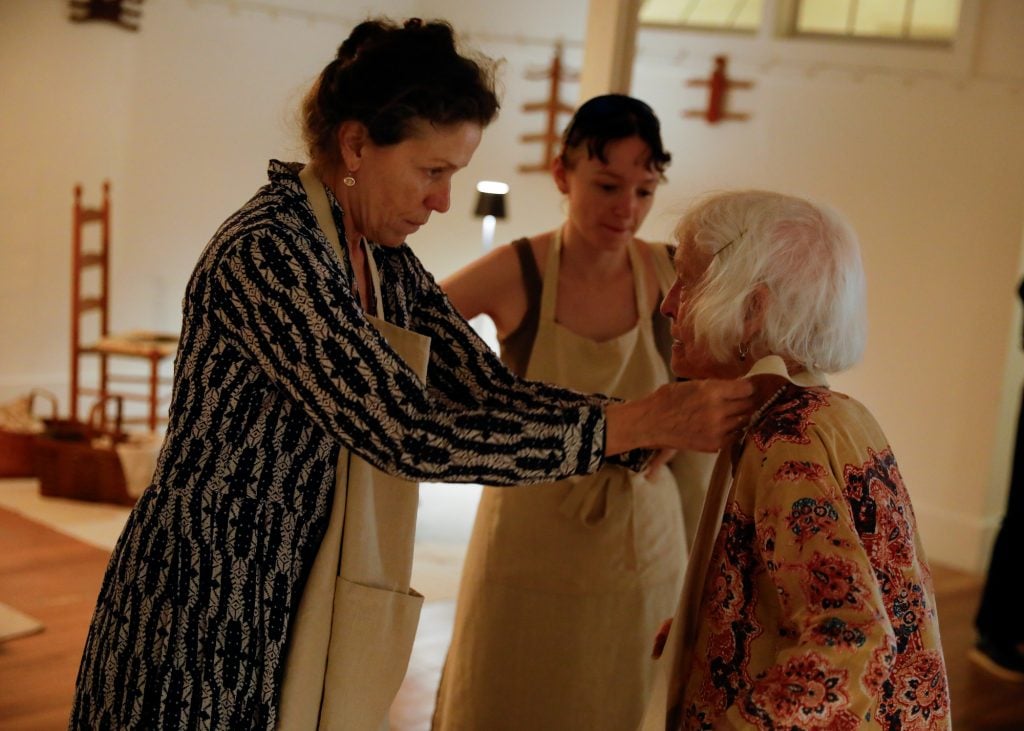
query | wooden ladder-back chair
[90, 296]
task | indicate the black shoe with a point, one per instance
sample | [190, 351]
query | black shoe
[1003, 661]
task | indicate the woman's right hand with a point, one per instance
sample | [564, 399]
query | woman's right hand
[696, 415]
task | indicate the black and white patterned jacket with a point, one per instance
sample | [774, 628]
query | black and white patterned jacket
[277, 370]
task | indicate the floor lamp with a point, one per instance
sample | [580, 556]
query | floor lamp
[490, 206]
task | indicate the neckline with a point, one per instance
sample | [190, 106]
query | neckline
[316, 193]
[549, 289]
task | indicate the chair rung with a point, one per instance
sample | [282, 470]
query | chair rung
[90, 260]
[142, 420]
[126, 378]
[126, 396]
[90, 303]
[85, 215]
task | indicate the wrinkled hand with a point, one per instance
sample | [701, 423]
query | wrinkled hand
[697, 415]
[661, 638]
[661, 458]
[702, 415]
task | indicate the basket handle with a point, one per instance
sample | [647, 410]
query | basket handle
[99, 412]
[47, 396]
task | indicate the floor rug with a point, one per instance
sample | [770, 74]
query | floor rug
[442, 530]
[15, 624]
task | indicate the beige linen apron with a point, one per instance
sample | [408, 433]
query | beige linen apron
[566, 584]
[351, 638]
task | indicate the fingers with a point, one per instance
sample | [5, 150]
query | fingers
[731, 390]
[723, 411]
[659, 460]
[661, 638]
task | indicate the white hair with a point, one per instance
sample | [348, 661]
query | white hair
[807, 257]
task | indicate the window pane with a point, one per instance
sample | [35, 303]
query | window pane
[749, 15]
[725, 14]
[879, 18]
[713, 13]
[935, 19]
[906, 19]
[662, 11]
[823, 16]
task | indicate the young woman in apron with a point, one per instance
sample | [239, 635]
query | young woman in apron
[565, 586]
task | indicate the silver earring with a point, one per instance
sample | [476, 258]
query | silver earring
[348, 180]
[743, 351]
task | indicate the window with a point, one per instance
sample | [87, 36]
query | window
[731, 15]
[914, 20]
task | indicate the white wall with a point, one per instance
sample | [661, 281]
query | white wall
[922, 151]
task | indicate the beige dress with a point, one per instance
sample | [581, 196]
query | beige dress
[353, 633]
[566, 584]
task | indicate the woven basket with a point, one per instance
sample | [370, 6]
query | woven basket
[17, 439]
[78, 460]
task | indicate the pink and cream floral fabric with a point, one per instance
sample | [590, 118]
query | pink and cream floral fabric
[818, 610]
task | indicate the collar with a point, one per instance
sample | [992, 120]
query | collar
[775, 366]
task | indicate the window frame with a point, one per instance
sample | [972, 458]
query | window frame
[773, 44]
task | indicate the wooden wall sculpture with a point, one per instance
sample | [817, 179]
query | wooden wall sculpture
[719, 84]
[553, 106]
[123, 13]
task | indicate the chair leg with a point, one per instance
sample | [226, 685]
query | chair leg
[104, 381]
[73, 405]
[154, 377]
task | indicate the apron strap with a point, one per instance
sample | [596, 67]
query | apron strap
[314, 188]
[664, 268]
[643, 315]
[549, 283]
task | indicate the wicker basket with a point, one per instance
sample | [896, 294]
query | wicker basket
[78, 460]
[19, 429]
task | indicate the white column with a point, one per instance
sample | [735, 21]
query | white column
[610, 46]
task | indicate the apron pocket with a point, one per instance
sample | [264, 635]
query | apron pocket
[369, 653]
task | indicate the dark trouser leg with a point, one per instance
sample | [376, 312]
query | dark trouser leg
[999, 615]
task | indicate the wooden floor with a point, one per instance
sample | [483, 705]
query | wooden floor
[55, 579]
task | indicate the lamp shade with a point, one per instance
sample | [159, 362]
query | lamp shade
[490, 204]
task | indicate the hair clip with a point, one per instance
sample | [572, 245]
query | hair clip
[742, 234]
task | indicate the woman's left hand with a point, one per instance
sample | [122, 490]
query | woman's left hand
[661, 458]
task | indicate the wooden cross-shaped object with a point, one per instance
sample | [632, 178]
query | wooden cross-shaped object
[554, 106]
[124, 13]
[718, 87]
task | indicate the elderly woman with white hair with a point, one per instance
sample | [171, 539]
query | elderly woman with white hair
[808, 603]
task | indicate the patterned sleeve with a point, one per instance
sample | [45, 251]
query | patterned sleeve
[836, 634]
[297, 318]
[466, 374]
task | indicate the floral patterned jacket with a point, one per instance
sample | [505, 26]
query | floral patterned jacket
[817, 610]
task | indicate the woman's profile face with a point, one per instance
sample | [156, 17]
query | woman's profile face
[399, 186]
[691, 359]
[608, 202]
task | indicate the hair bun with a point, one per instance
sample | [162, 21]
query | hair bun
[413, 23]
[361, 36]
